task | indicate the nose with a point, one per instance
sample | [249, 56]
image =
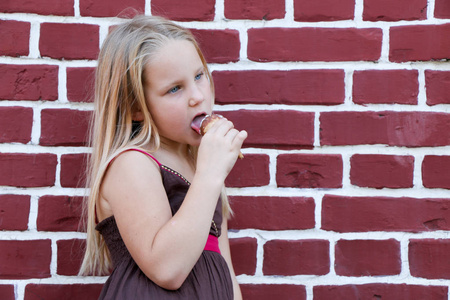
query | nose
[196, 95]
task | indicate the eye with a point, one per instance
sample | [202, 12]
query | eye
[173, 90]
[199, 76]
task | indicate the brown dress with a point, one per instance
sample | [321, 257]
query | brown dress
[209, 279]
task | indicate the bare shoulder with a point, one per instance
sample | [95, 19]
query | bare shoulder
[130, 181]
[127, 167]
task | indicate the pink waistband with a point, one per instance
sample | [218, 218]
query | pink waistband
[212, 244]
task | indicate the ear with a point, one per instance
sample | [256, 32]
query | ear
[137, 116]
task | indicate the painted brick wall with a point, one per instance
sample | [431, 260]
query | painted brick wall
[344, 192]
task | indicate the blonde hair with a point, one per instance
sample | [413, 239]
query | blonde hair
[119, 91]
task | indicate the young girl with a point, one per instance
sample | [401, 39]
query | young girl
[157, 216]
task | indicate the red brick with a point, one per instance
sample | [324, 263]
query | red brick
[254, 10]
[64, 127]
[367, 257]
[14, 211]
[25, 259]
[111, 8]
[48, 7]
[385, 127]
[302, 257]
[324, 10]
[419, 43]
[59, 213]
[61, 291]
[243, 255]
[442, 9]
[382, 171]
[73, 170]
[273, 291]
[429, 258]
[15, 38]
[272, 213]
[69, 41]
[437, 87]
[218, 46]
[28, 82]
[27, 170]
[180, 10]
[314, 44]
[436, 171]
[70, 256]
[380, 291]
[309, 170]
[387, 10]
[251, 171]
[80, 84]
[399, 86]
[362, 214]
[15, 124]
[296, 87]
[7, 292]
[283, 129]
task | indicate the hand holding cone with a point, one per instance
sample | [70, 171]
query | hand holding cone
[206, 124]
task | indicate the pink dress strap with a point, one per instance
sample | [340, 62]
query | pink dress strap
[144, 152]
[212, 244]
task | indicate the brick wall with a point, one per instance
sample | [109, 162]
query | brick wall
[344, 192]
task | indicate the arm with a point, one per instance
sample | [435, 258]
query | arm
[166, 247]
[224, 246]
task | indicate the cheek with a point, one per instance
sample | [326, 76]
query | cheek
[168, 118]
[207, 90]
[157, 115]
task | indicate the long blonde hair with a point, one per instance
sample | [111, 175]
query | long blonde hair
[119, 91]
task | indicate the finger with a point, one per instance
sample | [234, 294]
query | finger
[231, 135]
[221, 127]
[240, 138]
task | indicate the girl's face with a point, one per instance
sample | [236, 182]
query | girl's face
[177, 90]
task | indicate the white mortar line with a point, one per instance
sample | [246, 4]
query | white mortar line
[76, 8]
[289, 7]
[219, 10]
[35, 32]
[32, 218]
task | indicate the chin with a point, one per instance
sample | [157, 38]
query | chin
[195, 142]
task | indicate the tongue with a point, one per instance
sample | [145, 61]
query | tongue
[197, 123]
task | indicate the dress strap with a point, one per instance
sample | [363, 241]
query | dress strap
[212, 244]
[144, 152]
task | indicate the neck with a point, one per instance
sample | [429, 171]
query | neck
[177, 157]
[171, 152]
[177, 149]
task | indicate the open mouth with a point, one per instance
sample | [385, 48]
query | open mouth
[197, 122]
